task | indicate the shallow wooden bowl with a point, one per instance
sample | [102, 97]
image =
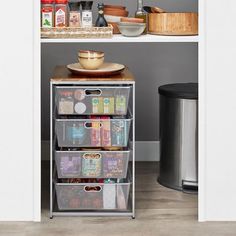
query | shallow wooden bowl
[116, 12]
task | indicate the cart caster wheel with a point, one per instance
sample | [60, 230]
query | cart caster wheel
[51, 217]
[133, 217]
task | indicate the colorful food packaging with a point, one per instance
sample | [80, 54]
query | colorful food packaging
[118, 133]
[109, 105]
[65, 102]
[79, 94]
[113, 165]
[66, 106]
[91, 165]
[70, 166]
[96, 132]
[76, 133]
[106, 131]
[121, 104]
[97, 105]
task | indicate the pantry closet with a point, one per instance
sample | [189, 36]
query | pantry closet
[24, 55]
[153, 60]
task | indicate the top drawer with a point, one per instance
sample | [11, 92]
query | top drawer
[83, 100]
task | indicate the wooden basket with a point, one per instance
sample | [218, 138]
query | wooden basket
[77, 32]
[182, 23]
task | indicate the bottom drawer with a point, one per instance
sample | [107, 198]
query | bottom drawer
[92, 196]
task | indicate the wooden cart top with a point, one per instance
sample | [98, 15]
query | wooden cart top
[62, 74]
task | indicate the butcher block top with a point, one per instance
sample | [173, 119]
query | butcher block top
[62, 74]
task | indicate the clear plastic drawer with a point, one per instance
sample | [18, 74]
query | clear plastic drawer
[92, 164]
[94, 132]
[79, 100]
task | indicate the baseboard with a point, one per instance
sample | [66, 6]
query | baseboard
[145, 150]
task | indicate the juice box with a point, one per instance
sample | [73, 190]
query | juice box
[106, 131]
[108, 104]
[97, 105]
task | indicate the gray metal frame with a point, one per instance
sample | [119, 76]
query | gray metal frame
[52, 189]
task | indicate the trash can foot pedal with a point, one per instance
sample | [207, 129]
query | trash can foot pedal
[190, 187]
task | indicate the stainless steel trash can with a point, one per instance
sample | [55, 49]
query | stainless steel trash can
[179, 136]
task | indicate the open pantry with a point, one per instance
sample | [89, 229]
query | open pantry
[82, 182]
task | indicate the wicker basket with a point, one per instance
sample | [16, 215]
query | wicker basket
[80, 32]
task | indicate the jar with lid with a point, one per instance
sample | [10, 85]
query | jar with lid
[61, 13]
[74, 15]
[87, 16]
[47, 13]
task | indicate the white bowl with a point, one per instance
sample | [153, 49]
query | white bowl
[131, 29]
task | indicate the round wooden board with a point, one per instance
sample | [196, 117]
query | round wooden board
[107, 69]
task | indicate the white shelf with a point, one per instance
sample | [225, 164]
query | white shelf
[121, 39]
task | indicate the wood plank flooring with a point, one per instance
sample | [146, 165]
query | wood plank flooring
[159, 211]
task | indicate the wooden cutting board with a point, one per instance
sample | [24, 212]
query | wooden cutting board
[173, 23]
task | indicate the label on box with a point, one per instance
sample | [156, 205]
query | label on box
[108, 105]
[47, 18]
[97, 105]
[91, 165]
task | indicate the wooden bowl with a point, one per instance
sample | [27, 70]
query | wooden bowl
[115, 27]
[116, 12]
[174, 23]
[114, 7]
[131, 20]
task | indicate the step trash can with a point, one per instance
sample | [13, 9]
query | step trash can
[179, 136]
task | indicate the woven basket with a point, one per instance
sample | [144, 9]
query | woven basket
[80, 32]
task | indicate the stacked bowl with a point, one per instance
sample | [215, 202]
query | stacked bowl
[90, 60]
[113, 15]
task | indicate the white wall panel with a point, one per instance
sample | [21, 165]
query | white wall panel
[220, 107]
[16, 109]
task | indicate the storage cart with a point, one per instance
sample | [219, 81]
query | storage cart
[92, 160]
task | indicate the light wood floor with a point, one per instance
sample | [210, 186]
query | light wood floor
[160, 211]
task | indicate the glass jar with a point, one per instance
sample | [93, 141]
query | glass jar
[61, 13]
[47, 13]
[74, 15]
[87, 16]
[140, 13]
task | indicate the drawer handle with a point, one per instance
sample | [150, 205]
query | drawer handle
[89, 125]
[92, 188]
[93, 92]
[92, 155]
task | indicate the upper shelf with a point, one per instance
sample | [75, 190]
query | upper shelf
[121, 39]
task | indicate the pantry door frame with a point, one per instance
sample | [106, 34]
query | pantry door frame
[37, 113]
[201, 113]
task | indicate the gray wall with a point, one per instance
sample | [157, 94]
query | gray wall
[152, 64]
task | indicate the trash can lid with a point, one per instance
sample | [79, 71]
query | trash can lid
[180, 90]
